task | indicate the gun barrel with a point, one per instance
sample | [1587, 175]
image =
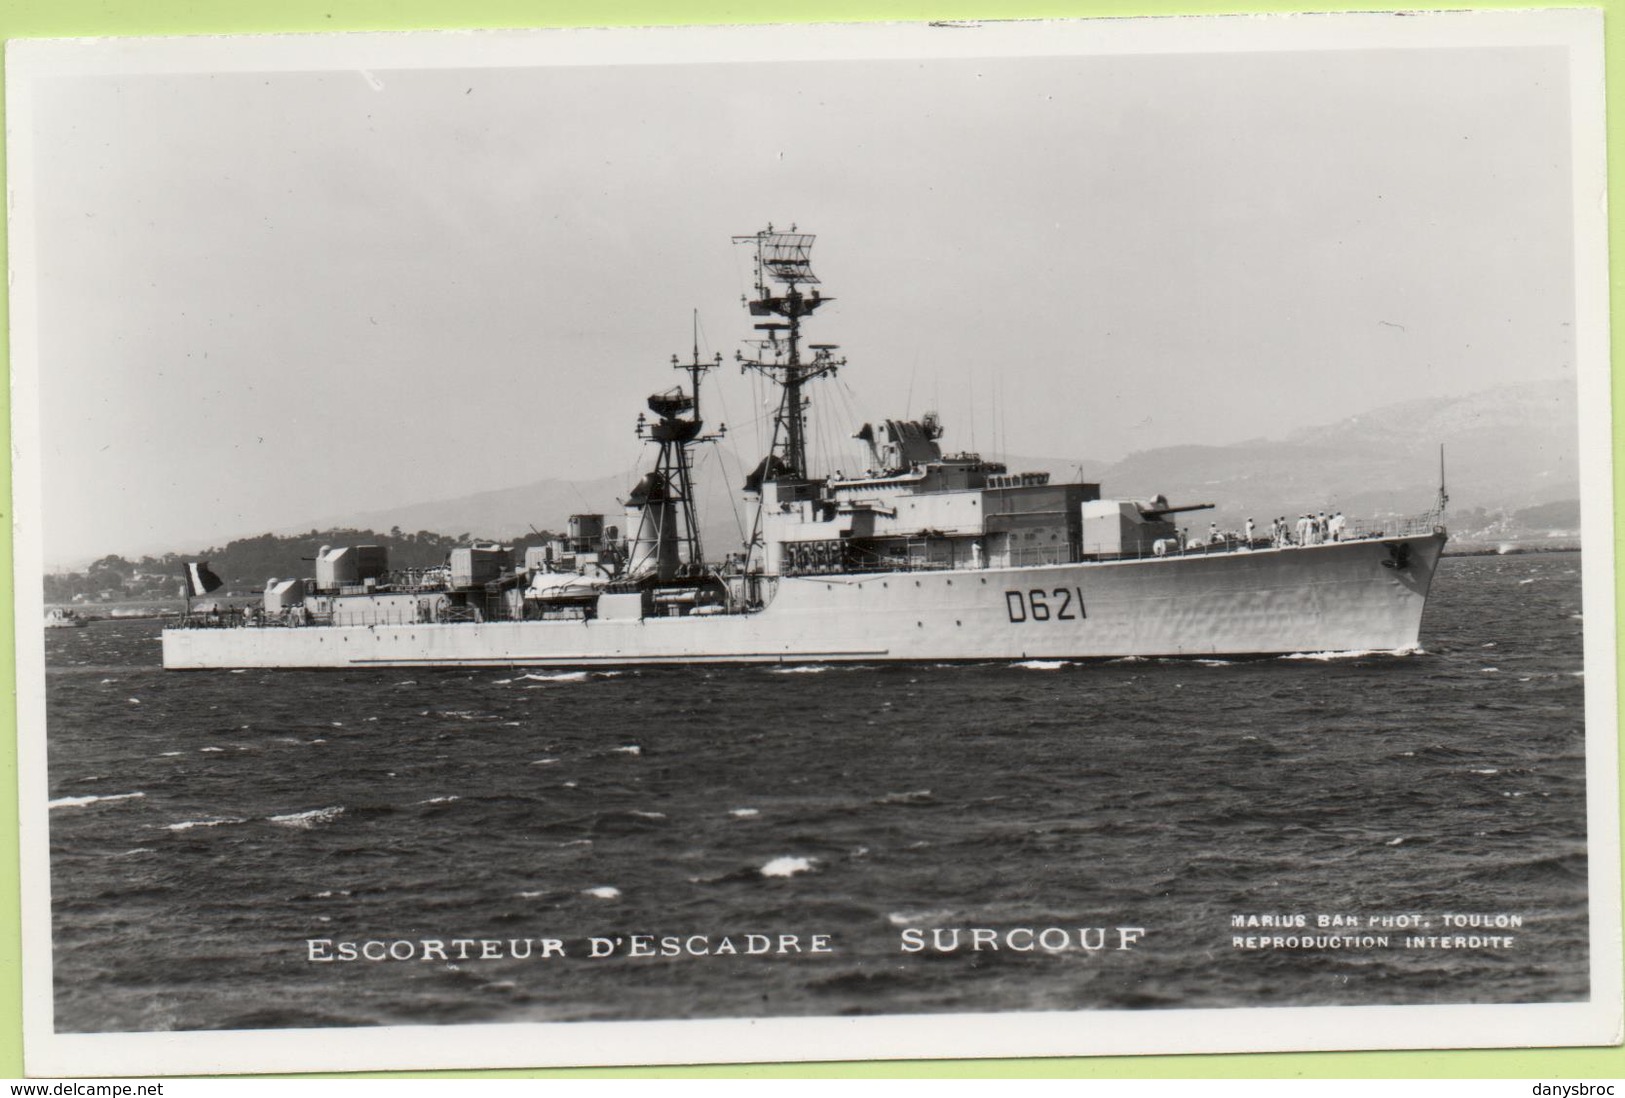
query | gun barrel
[1161, 511]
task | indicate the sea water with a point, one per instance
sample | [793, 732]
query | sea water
[291, 848]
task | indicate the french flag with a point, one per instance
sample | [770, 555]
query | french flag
[199, 580]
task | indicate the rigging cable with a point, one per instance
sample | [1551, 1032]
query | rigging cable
[722, 451]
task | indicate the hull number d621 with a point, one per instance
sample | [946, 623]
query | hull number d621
[1037, 604]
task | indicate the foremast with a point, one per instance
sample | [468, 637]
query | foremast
[666, 540]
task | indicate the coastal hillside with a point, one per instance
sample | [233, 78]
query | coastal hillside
[1505, 450]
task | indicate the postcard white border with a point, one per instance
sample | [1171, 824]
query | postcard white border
[1248, 1029]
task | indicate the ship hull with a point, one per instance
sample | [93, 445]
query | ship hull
[1345, 596]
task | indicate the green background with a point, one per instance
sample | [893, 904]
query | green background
[65, 18]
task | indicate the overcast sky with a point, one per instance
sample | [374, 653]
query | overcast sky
[267, 297]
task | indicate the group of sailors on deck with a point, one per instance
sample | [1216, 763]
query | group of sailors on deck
[1316, 529]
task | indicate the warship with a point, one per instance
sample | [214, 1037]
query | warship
[925, 555]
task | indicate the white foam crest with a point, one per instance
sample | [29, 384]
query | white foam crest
[801, 669]
[211, 750]
[603, 892]
[629, 749]
[904, 918]
[447, 799]
[561, 676]
[544, 762]
[81, 802]
[787, 866]
[1042, 665]
[1486, 770]
[1353, 654]
[530, 895]
[307, 820]
[1128, 659]
[209, 821]
[744, 813]
[649, 815]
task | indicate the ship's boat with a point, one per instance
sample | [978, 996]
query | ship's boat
[60, 617]
[924, 555]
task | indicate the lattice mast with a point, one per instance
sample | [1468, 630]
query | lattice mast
[785, 258]
[668, 493]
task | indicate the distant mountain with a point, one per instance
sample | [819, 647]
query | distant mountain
[1506, 449]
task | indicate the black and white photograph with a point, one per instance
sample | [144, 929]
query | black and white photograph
[697, 545]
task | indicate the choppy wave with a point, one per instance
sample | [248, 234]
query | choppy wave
[306, 820]
[912, 796]
[787, 866]
[207, 821]
[82, 802]
[1353, 654]
[914, 918]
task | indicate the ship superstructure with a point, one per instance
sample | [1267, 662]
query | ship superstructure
[921, 555]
